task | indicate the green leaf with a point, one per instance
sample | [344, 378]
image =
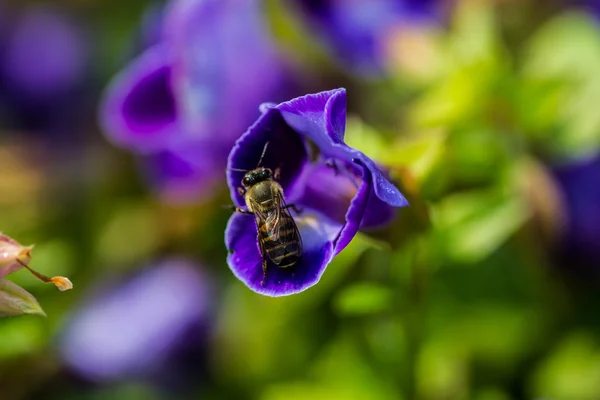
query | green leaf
[560, 82]
[364, 298]
[473, 65]
[472, 225]
[571, 371]
[22, 336]
[442, 369]
[420, 154]
[566, 47]
[14, 300]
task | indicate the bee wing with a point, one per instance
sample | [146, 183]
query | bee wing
[283, 227]
[268, 222]
[260, 216]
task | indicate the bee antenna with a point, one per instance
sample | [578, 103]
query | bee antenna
[262, 155]
[238, 169]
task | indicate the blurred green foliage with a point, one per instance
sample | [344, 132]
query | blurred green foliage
[458, 299]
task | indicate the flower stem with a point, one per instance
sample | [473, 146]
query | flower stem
[60, 282]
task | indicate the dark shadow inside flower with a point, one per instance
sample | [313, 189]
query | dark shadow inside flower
[318, 233]
[151, 103]
[285, 151]
[377, 213]
[140, 111]
[329, 188]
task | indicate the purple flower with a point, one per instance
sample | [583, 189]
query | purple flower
[185, 101]
[341, 191]
[580, 186]
[592, 6]
[135, 328]
[356, 31]
[44, 66]
[44, 34]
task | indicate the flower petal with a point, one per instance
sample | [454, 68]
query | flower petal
[139, 110]
[579, 182]
[14, 300]
[332, 190]
[286, 150]
[377, 213]
[12, 255]
[315, 114]
[321, 117]
[327, 190]
[384, 189]
[48, 34]
[220, 48]
[185, 175]
[317, 233]
[152, 311]
[355, 213]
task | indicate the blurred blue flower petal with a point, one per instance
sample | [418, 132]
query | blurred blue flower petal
[199, 88]
[356, 31]
[44, 71]
[580, 186]
[130, 330]
[42, 34]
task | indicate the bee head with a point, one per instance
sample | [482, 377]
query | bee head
[255, 176]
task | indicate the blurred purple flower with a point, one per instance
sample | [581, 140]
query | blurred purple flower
[357, 31]
[44, 63]
[592, 6]
[580, 186]
[141, 328]
[341, 191]
[187, 99]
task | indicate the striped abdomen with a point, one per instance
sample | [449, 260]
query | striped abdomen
[280, 238]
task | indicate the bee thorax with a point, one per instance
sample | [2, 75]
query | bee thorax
[263, 194]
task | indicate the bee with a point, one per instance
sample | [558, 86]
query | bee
[278, 236]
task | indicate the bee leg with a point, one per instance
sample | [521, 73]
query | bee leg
[336, 171]
[331, 164]
[240, 210]
[264, 268]
[241, 191]
[293, 207]
[264, 262]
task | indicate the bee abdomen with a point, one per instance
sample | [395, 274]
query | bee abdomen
[282, 254]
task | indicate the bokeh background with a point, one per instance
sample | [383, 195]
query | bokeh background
[487, 287]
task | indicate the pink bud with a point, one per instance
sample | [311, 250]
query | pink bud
[12, 255]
